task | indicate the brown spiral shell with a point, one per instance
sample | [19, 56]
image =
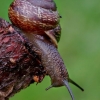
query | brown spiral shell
[34, 15]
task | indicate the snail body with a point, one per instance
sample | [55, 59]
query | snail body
[52, 62]
[39, 19]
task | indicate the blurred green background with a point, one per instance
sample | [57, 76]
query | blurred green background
[79, 47]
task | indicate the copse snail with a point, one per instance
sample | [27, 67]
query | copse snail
[39, 20]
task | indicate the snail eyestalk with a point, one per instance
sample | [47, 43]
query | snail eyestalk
[71, 81]
[65, 82]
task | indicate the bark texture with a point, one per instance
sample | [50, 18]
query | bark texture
[19, 63]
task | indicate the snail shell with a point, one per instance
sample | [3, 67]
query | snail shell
[34, 15]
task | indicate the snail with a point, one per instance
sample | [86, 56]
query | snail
[39, 20]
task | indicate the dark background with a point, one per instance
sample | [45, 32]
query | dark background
[79, 47]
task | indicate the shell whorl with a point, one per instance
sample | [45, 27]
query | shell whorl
[34, 15]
